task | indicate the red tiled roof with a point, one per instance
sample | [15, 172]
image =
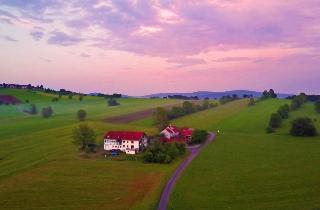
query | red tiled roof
[186, 131]
[125, 135]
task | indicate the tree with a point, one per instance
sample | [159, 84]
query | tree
[283, 111]
[251, 102]
[113, 102]
[265, 94]
[84, 136]
[317, 106]
[47, 112]
[33, 109]
[272, 94]
[275, 120]
[161, 118]
[303, 127]
[81, 115]
[188, 107]
[205, 104]
[198, 136]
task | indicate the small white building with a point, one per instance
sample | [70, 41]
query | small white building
[170, 132]
[130, 142]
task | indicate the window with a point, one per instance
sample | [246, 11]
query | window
[131, 142]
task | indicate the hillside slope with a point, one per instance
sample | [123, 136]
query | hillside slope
[245, 168]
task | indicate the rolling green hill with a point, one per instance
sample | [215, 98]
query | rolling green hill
[245, 168]
[41, 168]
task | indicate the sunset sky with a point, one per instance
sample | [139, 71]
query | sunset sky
[139, 47]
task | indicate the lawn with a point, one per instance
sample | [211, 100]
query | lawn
[245, 168]
[41, 168]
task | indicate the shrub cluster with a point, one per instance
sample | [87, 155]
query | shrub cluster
[303, 127]
[47, 112]
[276, 118]
[32, 110]
[113, 102]
[199, 136]
[251, 102]
[55, 99]
[163, 153]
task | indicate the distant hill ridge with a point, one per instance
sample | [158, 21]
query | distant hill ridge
[213, 95]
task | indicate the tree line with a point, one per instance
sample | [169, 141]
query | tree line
[162, 116]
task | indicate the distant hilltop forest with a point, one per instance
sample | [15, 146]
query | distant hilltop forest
[58, 92]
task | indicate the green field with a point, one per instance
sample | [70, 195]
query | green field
[245, 168]
[41, 168]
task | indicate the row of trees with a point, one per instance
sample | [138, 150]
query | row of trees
[276, 118]
[162, 116]
[298, 101]
[227, 99]
[163, 153]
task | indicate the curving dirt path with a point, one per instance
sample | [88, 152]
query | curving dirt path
[170, 184]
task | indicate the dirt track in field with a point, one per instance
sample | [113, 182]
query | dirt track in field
[127, 118]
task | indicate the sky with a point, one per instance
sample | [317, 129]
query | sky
[137, 47]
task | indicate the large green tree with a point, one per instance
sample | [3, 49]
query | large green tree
[84, 136]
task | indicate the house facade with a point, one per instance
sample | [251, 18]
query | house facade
[130, 142]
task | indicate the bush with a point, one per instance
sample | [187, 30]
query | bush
[27, 101]
[47, 112]
[33, 109]
[275, 120]
[69, 96]
[55, 99]
[303, 127]
[163, 153]
[81, 115]
[251, 102]
[80, 97]
[113, 102]
[199, 136]
[297, 101]
[283, 111]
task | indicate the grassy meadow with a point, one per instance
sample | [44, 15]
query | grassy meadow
[40, 168]
[245, 168]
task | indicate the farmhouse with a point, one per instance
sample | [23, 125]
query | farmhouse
[173, 134]
[170, 132]
[130, 142]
